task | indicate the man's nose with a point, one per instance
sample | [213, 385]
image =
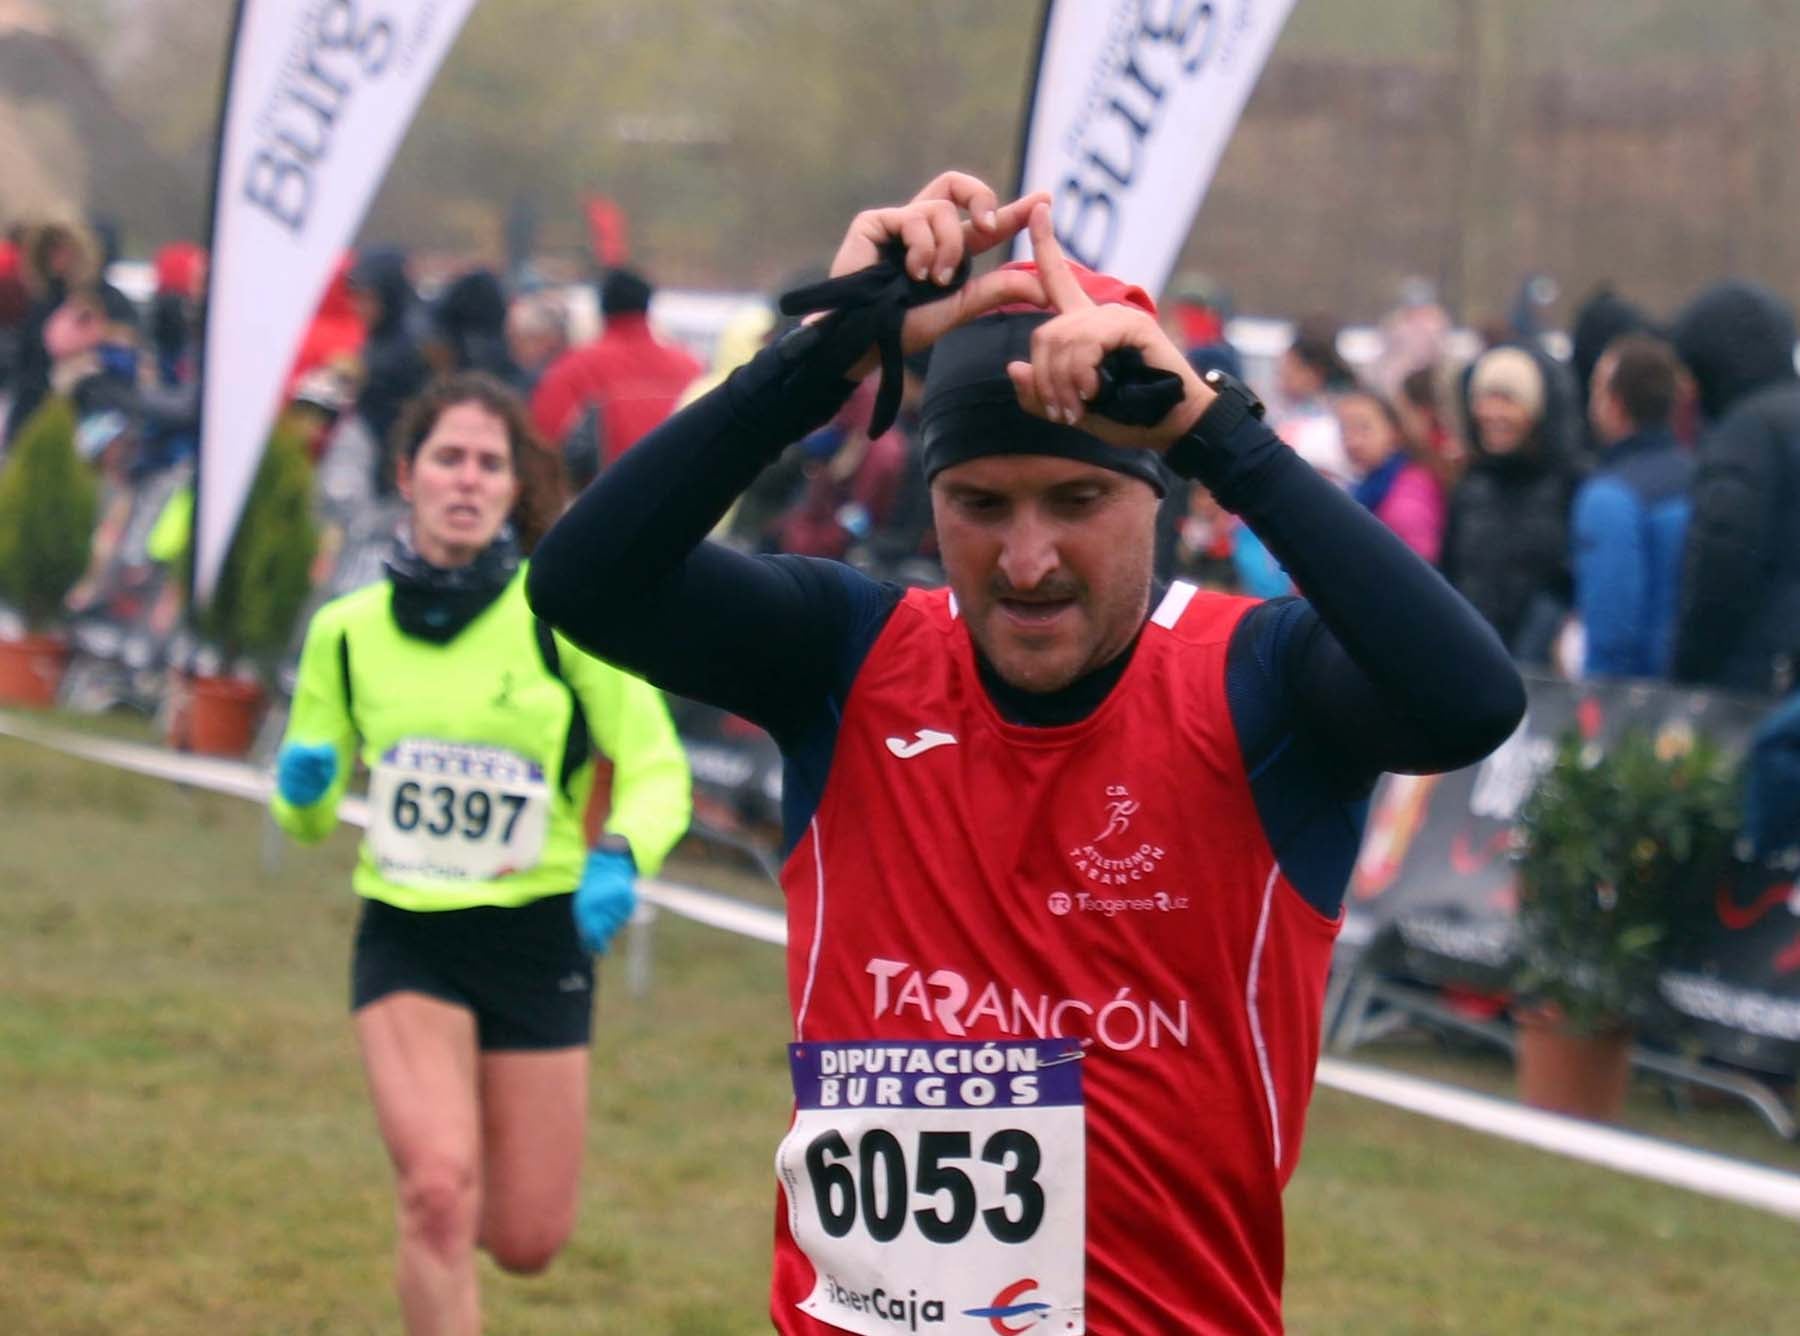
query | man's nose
[1028, 554]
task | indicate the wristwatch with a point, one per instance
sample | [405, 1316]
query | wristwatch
[611, 843]
[1235, 402]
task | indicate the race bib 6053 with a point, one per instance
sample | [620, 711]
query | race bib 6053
[939, 1186]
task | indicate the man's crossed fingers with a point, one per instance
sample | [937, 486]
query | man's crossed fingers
[955, 215]
[1063, 375]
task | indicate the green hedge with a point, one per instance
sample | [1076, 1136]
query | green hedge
[1619, 852]
[48, 500]
[265, 582]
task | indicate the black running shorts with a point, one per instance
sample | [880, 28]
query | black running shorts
[522, 972]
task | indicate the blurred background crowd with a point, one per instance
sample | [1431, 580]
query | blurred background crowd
[1616, 499]
[1477, 257]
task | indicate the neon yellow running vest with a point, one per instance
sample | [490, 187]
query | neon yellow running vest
[475, 795]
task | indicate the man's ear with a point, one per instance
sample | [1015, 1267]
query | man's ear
[403, 478]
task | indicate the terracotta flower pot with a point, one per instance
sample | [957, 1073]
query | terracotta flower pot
[31, 670]
[1583, 1075]
[222, 714]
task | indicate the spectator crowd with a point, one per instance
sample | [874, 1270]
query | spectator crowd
[1627, 510]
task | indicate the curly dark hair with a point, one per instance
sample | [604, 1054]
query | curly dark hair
[540, 480]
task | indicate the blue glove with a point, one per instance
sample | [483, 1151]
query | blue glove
[303, 771]
[606, 897]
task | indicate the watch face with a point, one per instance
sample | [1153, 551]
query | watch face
[1225, 384]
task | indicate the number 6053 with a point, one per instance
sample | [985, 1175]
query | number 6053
[872, 1182]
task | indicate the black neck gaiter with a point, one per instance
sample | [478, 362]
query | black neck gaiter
[1067, 705]
[435, 602]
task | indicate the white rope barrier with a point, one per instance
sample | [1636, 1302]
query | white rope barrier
[1593, 1143]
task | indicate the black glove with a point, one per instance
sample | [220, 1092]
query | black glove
[869, 307]
[1132, 392]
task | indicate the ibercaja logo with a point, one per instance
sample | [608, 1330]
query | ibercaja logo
[1011, 1311]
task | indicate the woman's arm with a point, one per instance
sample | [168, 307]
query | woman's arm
[652, 800]
[320, 715]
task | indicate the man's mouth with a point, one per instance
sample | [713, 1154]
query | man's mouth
[1035, 612]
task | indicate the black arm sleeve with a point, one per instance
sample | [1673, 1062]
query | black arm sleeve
[628, 575]
[1387, 667]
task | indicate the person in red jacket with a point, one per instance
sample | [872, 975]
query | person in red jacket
[336, 335]
[627, 375]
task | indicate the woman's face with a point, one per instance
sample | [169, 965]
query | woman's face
[1369, 437]
[461, 485]
[73, 328]
[1504, 423]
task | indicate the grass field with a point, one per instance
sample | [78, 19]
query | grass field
[185, 1146]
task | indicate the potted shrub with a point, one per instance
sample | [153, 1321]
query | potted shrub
[263, 584]
[1618, 852]
[47, 505]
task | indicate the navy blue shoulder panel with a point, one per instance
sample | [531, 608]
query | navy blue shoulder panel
[808, 743]
[1312, 826]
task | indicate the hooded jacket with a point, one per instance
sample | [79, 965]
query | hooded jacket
[1603, 317]
[393, 368]
[470, 318]
[1738, 622]
[1506, 541]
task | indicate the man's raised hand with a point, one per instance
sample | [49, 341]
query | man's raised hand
[1063, 375]
[956, 215]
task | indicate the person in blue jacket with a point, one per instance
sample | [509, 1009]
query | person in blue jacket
[1631, 516]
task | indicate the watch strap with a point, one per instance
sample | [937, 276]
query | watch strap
[1233, 401]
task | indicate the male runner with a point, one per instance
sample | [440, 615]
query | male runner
[1066, 848]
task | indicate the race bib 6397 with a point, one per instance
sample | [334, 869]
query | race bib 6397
[455, 812]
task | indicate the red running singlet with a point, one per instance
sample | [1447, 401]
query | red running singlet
[1056, 1009]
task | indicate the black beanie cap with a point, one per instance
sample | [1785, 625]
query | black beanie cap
[971, 410]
